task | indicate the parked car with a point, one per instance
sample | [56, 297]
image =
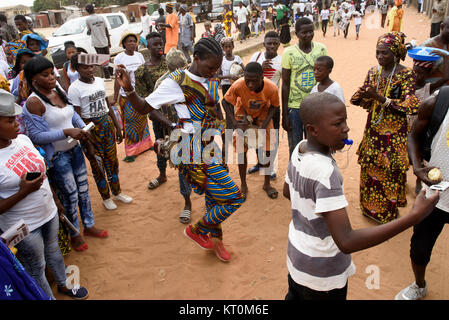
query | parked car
[76, 31]
[215, 14]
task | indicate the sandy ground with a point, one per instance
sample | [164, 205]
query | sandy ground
[148, 257]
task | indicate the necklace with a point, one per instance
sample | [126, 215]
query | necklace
[375, 121]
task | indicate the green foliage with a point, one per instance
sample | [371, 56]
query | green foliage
[42, 5]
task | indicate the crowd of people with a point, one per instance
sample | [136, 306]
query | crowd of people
[177, 86]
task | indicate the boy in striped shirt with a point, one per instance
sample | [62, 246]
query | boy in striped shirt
[320, 234]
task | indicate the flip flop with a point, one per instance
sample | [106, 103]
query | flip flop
[184, 217]
[272, 193]
[153, 184]
[253, 169]
[80, 246]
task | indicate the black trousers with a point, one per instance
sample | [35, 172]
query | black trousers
[106, 69]
[435, 29]
[297, 292]
[425, 234]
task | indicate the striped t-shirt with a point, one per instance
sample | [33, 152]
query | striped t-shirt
[313, 258]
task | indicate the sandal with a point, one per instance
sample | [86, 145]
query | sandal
[184, 217]
[80, 245]
[253, 169]
[272, 193]
[153, 184]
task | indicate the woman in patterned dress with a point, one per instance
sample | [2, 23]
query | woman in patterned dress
[388, 95]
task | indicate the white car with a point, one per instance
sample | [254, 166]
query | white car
[75, 30]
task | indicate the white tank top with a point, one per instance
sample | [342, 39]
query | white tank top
[440, 158]
[73, 75]
[58, 119]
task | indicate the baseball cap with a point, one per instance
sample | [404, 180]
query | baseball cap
[8, 107]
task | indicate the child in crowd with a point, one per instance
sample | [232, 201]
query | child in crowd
[208, 33]
[309, 16]
[39, 45]
[19, 87]
[50, 120]
[228, 59]
[322, 69]
[30, 199]
[357, 14]
[69, 74]
[88, 96]
[255, 100]
[272, 69]
[320, 234]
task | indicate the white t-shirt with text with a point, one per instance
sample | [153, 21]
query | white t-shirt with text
[38, 207]
[90, 97]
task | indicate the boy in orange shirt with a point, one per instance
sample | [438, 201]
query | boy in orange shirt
[255, 99]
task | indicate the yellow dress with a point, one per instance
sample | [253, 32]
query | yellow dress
[395, 19]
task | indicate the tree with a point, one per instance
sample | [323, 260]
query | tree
[42, 5]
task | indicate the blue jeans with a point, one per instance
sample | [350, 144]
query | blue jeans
[184, 186]
[296, 129]
[69, 174]
[41, 247]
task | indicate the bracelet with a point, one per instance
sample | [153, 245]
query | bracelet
[129, 92]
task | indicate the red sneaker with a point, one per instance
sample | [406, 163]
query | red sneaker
[221, 252]
[201, 240]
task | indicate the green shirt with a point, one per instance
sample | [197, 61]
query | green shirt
[301, 64]
[281, 10]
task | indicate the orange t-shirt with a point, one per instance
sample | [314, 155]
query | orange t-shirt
[257, 104]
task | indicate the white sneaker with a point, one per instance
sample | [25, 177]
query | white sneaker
[123, 198]
[412, 292]
[109, 204]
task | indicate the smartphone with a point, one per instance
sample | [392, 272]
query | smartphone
[443, 185]
[32, 175]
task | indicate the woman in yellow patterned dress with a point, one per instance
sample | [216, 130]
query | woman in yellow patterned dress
[227, 20]
[388, 95]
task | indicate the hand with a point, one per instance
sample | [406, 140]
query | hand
[78, 134]
[123, 78]
[236, 77]
[61, 209]
[28, 187]
[421, 173]
[118, 135]
[113, 102]
[267, 64]
[423, 206]
[369, 93]
[439, 53]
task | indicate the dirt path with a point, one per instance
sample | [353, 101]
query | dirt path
[148, 257]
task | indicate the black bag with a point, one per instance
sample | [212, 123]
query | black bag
[438, 115]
